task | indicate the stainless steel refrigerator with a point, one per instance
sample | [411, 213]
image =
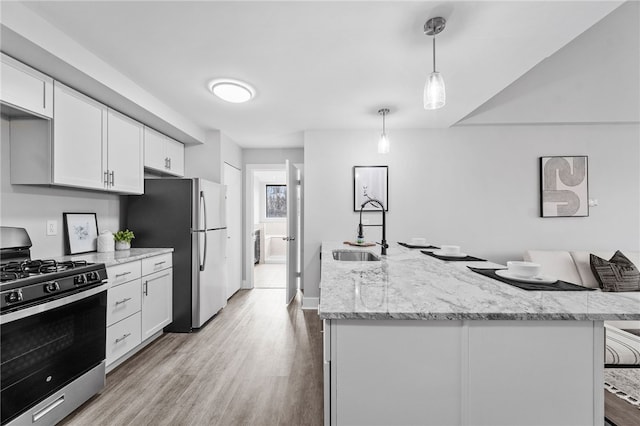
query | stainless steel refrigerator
[188, 215]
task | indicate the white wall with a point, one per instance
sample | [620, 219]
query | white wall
[30, 207]
[477, 187]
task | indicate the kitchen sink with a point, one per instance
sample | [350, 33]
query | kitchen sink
[354, 256]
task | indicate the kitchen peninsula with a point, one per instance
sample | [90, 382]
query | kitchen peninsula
[411, 339]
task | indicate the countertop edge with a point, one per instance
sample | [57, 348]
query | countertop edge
[117, 257]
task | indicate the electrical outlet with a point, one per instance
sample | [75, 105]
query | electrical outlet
[52, 227]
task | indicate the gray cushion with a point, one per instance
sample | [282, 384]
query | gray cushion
[615, 274]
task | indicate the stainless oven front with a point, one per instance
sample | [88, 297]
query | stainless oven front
[45, 348]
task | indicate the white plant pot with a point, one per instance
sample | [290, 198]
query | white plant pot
[122, 245]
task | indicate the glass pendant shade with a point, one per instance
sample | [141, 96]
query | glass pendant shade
[434, 93]
[383, 144]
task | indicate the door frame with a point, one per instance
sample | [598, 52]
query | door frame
[249, 169]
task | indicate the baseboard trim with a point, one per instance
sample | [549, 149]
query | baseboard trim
[310, 302]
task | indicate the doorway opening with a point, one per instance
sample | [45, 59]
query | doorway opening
[273, 224]
[270, 228]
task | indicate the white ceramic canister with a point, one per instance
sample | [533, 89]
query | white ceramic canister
[106, 242]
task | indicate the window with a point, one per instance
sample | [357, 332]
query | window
[276, 201]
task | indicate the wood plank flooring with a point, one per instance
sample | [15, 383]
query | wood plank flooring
[270, 275]
[258, 362]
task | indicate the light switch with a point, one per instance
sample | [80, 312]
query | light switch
[52, 227]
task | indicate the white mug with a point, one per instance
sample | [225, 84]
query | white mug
[418, 241]
[450, 250]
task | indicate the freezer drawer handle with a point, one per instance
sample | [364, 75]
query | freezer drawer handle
[49, 408]
[124, 336]
[125, 300]
[123, 274]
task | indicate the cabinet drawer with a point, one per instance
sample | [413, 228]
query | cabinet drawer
[123, 301]
[124, 272]
[122, 337]
[156, 263]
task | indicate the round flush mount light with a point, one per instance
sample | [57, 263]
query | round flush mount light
[234, 91]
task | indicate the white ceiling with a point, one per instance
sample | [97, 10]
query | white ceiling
[320, 64]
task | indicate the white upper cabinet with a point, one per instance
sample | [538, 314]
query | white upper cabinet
[163, 154]
[79, 133]
[25, 88]
[125, 154]
[92, 147]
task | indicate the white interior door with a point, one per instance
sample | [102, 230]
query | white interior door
[292, 228]
[233, 182]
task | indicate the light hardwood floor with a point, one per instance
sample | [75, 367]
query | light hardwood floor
[258, 362]
[270, 275]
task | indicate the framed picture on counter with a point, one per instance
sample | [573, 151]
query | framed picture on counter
[80, 232]
[370, 182]
[564, 186]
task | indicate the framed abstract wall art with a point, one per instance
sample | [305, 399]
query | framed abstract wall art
[564, 188]
[370, 182]
[80, 232]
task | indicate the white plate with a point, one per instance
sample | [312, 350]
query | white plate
[540, 279]
[441, 253]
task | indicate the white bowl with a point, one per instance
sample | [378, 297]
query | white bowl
[524, 269]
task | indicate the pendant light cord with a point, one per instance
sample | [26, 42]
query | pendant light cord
[434, 53]
[384, 131]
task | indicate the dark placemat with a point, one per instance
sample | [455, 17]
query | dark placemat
[453, 258]
[557, 286]
[418, 247]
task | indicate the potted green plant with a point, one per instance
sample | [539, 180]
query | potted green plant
[123, 239]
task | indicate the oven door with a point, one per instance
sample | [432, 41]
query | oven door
[47, 346]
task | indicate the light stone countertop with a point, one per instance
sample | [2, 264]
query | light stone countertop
[407, 284]
[118, 256]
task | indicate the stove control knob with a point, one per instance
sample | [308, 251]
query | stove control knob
[92, 276]
[79, 279]
[14, 297]
[51, 287]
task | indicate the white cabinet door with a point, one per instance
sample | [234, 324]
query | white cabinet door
[26, 88]
[125, 155]
[174, 151]
[156, 302]
[154, 157]
[78, 136]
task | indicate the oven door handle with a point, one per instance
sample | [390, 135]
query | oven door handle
[32, 310]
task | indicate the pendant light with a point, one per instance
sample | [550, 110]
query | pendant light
[434, 93]
[383, 142]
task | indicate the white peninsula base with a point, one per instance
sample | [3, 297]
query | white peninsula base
[485, 372]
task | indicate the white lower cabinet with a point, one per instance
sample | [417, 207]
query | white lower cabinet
[156, 302]
[139, 305]
[122, 337]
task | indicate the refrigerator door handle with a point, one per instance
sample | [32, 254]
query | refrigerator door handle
[204, 209]
[204, 254]
[203, 202]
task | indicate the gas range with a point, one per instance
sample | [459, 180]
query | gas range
[25, 282]
[29, 282]
[53, 319]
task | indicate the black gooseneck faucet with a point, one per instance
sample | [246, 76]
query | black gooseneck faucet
[383, 243]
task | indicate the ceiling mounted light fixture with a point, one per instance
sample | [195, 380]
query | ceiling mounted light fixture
[234, 91]
[383, 142]
[434, 93]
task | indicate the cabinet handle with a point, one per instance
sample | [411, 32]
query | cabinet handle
[160, 263]
[124, 336]
[44, 95]
[113, 178]
[166, 162]
[106, 178]
[125, 300]
[145, 288]
[169, 163]
[123, 274]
